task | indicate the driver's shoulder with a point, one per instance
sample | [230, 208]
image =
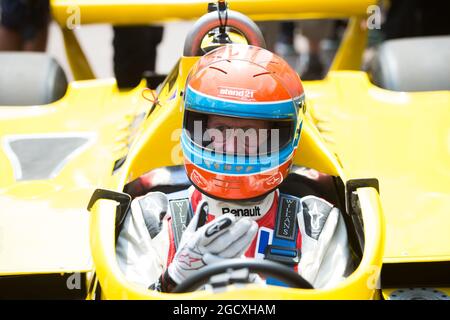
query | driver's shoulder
[316, 216]
[313, 212]
[157, 200]
[155, 205]
[151, 202]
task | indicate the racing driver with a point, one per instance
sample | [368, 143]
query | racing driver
[243, 113]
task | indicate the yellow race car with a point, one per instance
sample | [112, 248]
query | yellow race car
[87, 142]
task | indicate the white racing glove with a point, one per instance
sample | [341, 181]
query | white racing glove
[223, 238]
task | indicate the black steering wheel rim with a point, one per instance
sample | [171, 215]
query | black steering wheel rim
[266, 267]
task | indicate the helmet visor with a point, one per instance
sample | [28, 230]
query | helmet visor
[238, 136]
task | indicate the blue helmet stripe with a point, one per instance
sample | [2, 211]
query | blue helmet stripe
[196, 101]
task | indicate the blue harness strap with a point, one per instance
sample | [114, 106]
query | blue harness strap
[181, 212]
[284, 243]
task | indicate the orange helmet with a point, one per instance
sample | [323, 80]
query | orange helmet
[241, 82]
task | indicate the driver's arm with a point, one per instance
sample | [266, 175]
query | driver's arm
[143, 242]
[325, 259]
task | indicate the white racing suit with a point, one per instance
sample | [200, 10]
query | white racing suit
[147, 241]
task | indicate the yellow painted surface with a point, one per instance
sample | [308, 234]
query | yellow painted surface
[353, 129]
[75, 55]
[158, 145]
[44, 224]
[70, 13]
[403, 139]
[351, 50]
[360, 285]
[128, 12]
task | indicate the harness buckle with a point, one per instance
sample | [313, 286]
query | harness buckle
[285, 255]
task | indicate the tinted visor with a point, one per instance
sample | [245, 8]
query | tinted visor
[238, 136]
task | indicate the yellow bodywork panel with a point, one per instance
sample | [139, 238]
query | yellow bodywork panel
[44, 221]
[138, 12]
[403, 140]
[72, 13]
[361, 284]
[351, 50]
[78, 62]
[352, 130]
[158, 145]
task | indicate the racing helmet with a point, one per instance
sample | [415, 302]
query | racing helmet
[238, 87]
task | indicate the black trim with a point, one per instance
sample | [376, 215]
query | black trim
[123, 199]
[353, 206]
[416, 274]
[286, 221]
[181, 213]
[203, 216]
[119, 163]
[43, 286]
[98, 291]
[351, 229]
[354, 184]
[94, 280]
[154, 79]
[167, 283]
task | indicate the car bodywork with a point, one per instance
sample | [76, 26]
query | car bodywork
[53, 157]
[346, 114]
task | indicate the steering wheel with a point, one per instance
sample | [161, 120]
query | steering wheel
[210, 21]
[265, 267]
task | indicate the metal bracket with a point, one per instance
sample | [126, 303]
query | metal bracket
[353, 207]
[354, 184]
[123, 199]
